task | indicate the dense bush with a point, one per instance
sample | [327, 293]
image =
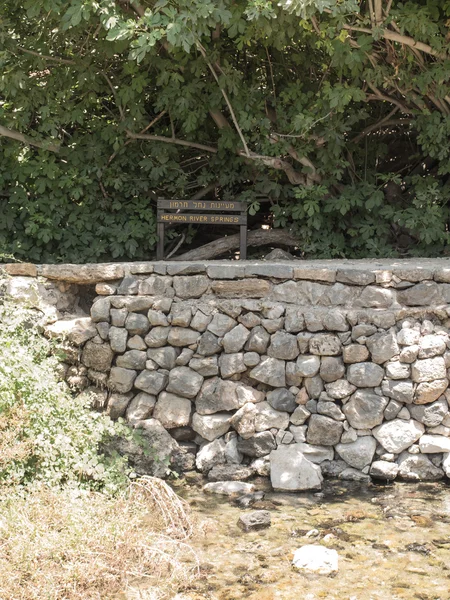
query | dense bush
[331, 117]
[47, 435]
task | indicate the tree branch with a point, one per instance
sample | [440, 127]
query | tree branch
[161, 138]
[401, 39]
[111, 87]
[379, 96]
[224, 94]
[20, 137]
[64, 61]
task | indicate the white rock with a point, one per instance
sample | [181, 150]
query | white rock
[316, 559]
[211, 427]
[316, 454]
[358, 454]
[430, 444]
[428, 369]
[291, 471]
[397, 435]
[228, 488]
[267, 417]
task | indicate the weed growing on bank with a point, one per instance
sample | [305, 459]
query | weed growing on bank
[72, 525]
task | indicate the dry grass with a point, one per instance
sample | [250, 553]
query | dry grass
[76, 545]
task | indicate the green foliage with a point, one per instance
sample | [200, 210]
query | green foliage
[46, 434]
[357, 122]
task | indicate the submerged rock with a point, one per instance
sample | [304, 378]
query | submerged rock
[259, 519]
[228, 488]
[316, 559]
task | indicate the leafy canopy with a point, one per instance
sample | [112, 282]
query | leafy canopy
[331, 117]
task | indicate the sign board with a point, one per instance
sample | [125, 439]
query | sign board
[178, 211]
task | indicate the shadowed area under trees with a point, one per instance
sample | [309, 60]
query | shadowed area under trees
[331, 119]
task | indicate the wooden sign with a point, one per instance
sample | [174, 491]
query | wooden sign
[179, 214]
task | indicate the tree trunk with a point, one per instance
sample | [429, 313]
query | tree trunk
[258, 237]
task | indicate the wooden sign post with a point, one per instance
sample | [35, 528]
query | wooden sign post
[217, 214]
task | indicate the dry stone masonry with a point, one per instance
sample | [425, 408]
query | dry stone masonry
[294, 370]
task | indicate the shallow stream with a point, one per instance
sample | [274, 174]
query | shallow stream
[393, 543]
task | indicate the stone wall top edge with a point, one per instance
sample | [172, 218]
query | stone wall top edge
[320, 270]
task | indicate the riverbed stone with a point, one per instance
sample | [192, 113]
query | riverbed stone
[211, 427]
[325, 344]
[151, 382]
[270, 371]
[315, 559]
[323, 431]
[185, 382]
[258, 445]
[172, 410]
[358, 454]
[121, 380]
[365, 409]
[291, 471]
[397, 435]
[255, 521]
[331, 368]
[365, 375]
[229, 488]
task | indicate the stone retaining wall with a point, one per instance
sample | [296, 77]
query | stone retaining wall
[297, 369]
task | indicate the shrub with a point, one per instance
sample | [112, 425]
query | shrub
[46, 434]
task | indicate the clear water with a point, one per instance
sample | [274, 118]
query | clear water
[393, 543]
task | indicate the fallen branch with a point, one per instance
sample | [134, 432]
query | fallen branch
[258, 237]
